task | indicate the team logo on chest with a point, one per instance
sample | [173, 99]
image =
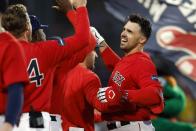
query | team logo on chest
[118, 78]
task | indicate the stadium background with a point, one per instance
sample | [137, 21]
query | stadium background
[107, 25]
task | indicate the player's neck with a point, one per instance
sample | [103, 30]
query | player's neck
[136, 49]
[23, 38]
[83, 64]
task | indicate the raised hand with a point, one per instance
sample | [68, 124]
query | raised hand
[79, 3]
[6, 127]
[97, 36]
[63, 5]
[109, 94]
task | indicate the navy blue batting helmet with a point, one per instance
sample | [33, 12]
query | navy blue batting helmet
[36, 23]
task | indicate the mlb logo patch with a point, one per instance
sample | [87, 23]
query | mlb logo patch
[154, 77]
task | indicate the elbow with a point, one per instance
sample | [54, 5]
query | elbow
[158, 106]
[101, 109]
[158, 96]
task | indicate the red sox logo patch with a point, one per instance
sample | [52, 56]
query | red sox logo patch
[175, 38]
[118, 78]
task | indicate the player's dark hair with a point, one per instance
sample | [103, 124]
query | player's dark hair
[143, 22]
[15, 20]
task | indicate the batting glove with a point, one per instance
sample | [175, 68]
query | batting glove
[96, 34]
[109, 94]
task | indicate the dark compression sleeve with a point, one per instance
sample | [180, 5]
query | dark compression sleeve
[14, 103]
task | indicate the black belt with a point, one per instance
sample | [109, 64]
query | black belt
[113, 125]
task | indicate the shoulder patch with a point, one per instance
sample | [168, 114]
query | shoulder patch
[155, 77]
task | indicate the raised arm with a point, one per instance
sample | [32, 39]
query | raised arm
[82, 32]
[70, 45]
[81, 54]
[109, 57]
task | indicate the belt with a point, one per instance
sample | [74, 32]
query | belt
[114, 125]
[118, 124]
[56, 118]
[37, 119]
[53, 118]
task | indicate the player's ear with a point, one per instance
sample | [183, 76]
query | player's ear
[142, 39]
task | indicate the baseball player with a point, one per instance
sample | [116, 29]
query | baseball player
[135, 76]
[82, 91]
[68, 64]
[79, 96]
[42, 59]
[12, 62]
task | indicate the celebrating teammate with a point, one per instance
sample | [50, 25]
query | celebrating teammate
[77, 96]
[42, 59]
[13, 77]
[134, 76]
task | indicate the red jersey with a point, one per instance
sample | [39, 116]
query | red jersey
[77, 107]
[12, 66]
[43, 57]
[67, 65]
[137, 74]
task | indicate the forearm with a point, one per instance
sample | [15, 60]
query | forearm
[83, 25]
[80, 55]
[109, 57]
[149, 96]
[103, 46]
[14, 103]
[81, 37]
[105, 107]
[72, 17]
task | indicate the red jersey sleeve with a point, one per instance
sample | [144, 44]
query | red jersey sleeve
[80, 55]
[82, 28]
[72, 16]
[13, 64]
[110, 58]
[73, 44]
[150, 91]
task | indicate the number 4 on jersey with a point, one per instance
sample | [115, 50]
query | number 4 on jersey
[34, 72]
